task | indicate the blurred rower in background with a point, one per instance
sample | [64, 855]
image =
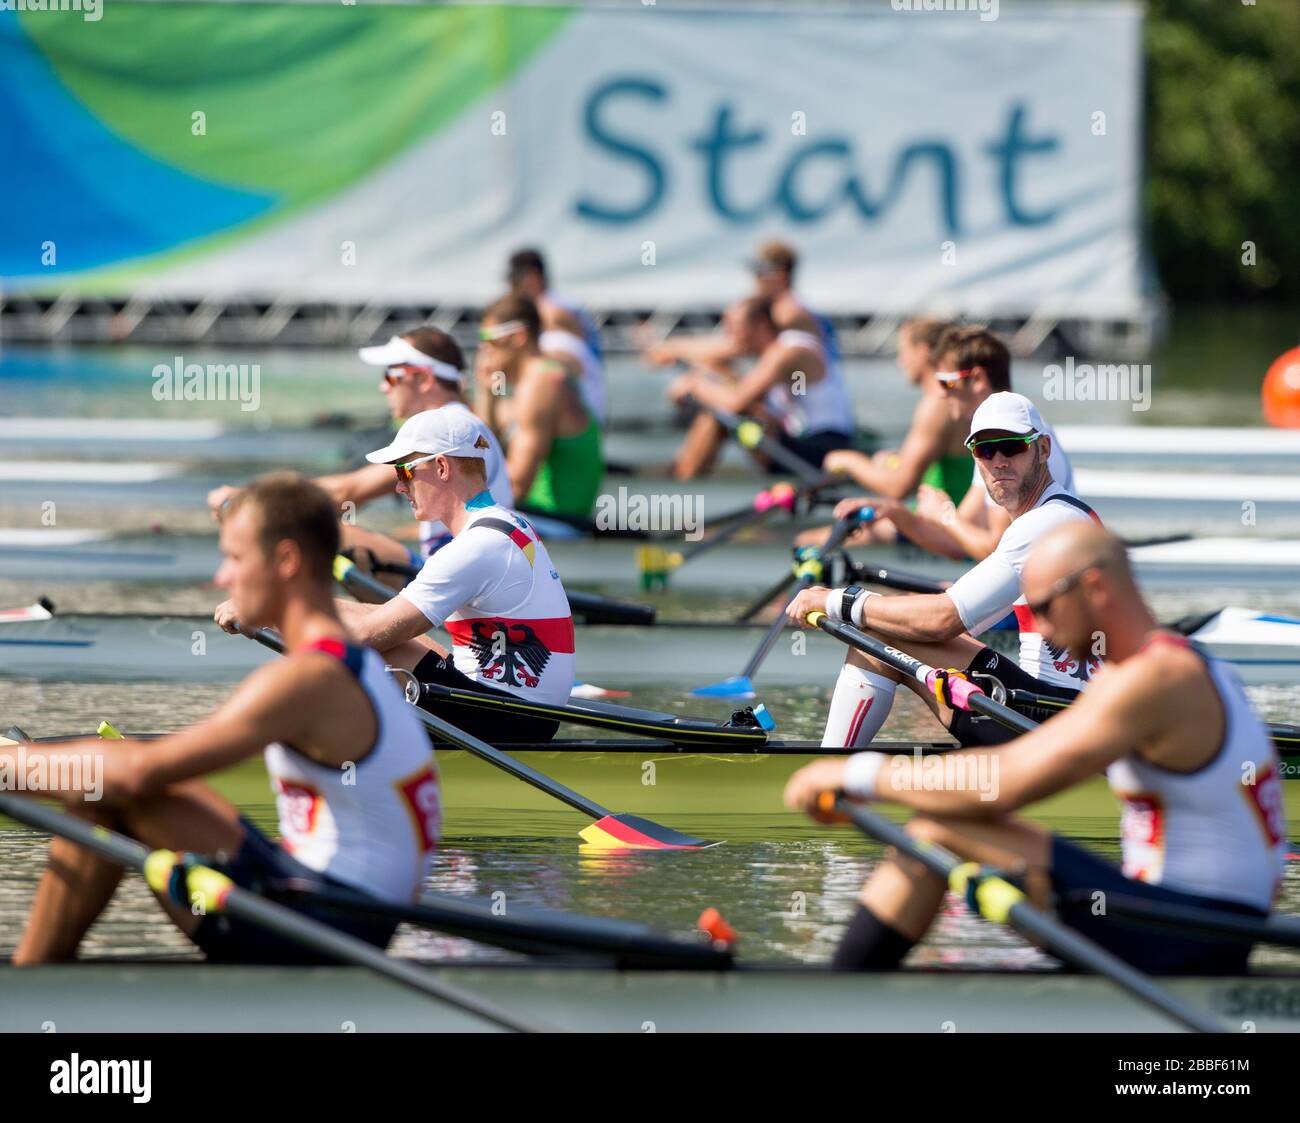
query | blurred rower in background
[568, 333]
[933, 453]
[773, 268]
[796, 388]
[534, 403]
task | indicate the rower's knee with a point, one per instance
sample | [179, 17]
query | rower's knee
[928, 828]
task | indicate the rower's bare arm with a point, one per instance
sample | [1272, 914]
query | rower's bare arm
[267, 707]
[708, 351]
[925, 532]
[898, 474]
[928, 617]
[743, 395]
[383, 626]
[1107, 722]
[978, 524]
[358, 487]
[537, 419]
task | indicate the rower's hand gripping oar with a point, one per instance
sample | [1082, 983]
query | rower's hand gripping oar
[951, 687]
[184, 880]
[807, 572]
[991, 896]
[610, 831]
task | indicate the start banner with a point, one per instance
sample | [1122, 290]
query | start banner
[355, 153]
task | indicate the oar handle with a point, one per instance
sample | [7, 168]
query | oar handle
[751, 435]
[952, 689]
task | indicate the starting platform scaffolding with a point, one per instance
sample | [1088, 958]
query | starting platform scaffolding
[69, 318]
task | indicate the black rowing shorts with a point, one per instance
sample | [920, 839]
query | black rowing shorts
[975, 729]
[811, 447]
[496, 727]
[260, 866]
[1077, 873]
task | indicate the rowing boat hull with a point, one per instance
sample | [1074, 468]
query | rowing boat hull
[70, 556]
[141, 648]
[195, 997]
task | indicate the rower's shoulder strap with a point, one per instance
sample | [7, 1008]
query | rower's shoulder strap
[513, 531]
[1076, 502]
[349, 654]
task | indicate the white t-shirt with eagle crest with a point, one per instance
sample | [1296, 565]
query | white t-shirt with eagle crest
[495, 590]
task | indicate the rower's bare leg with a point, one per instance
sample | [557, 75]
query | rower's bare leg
[74, 889]
[704, 439]
[906, 896]
[865, 689]
[901, 898]
[77, 885]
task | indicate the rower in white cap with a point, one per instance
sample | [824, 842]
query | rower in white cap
[1012, 456]
[492, 587]
[423, 369]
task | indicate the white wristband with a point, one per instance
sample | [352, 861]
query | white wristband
[835, 605]
[860, 609]
[860, 772]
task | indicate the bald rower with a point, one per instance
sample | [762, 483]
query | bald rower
[1203, 822]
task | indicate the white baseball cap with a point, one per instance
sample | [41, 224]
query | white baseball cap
[401, 352]
[1005, 412]
[435, 432]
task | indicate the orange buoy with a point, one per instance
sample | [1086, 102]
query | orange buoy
[1280, 394]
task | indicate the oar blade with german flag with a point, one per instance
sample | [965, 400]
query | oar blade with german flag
[631, 832]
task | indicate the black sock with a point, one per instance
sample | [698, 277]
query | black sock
[869, 945]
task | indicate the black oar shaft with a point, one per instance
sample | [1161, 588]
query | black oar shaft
[808, 574]
[896, 579]
[754, 438]
[268, 915]
[531, 931]
[1026, 919]
[922, 672]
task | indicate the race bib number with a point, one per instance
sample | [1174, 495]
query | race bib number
[1142, 835]
[1265, 797]
[423, 801]
[299, 806]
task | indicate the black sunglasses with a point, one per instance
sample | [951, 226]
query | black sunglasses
[1008, 446]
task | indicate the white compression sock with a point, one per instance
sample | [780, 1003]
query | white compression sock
[859, 707]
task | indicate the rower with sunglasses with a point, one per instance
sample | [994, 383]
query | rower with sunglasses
[492, 587]
[534, 402]
[423, 369]
[1012, 455]
[971, 363]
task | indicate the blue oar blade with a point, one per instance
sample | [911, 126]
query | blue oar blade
[738, 686]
